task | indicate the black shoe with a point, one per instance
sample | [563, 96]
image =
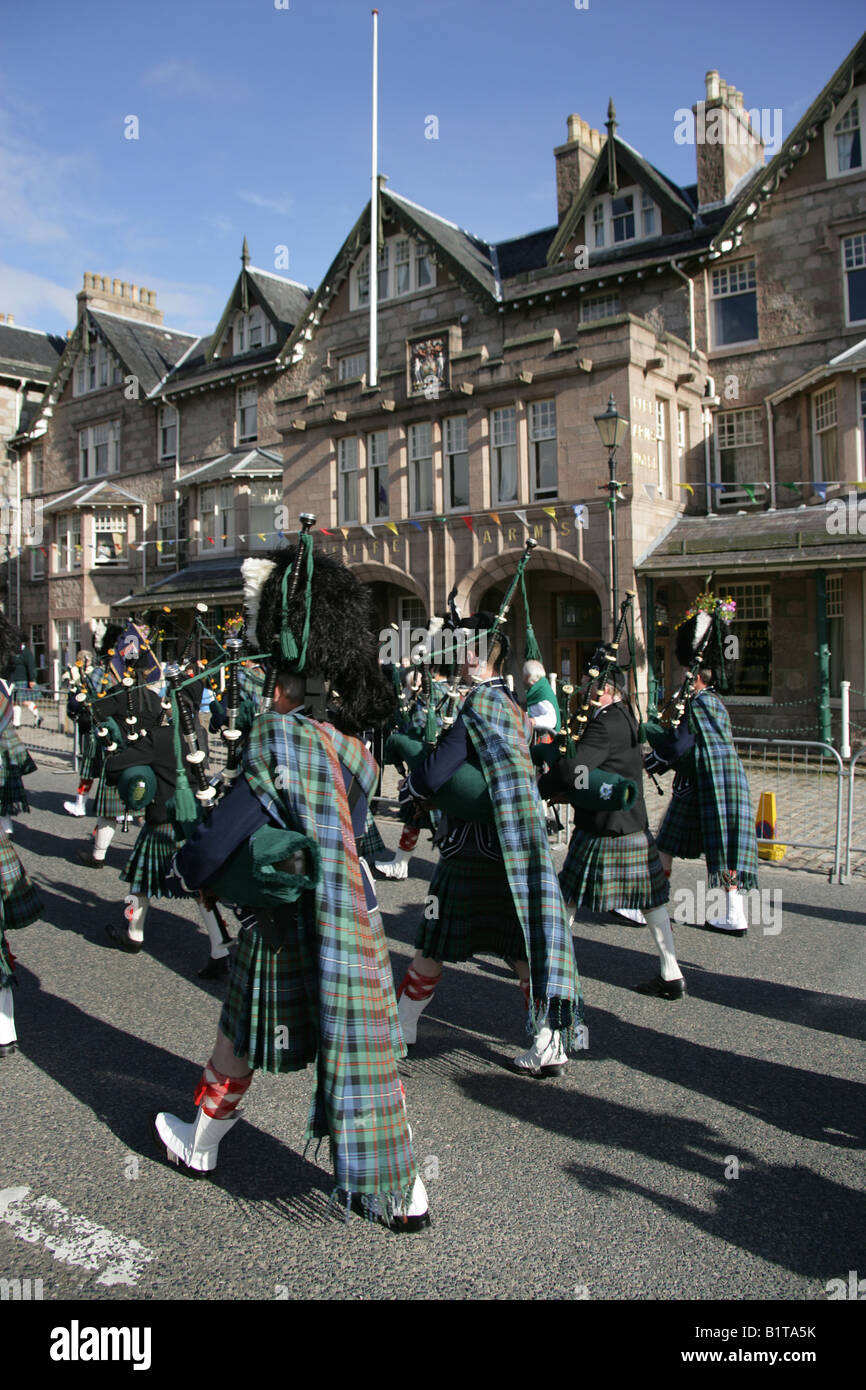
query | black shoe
[120, 937]
[215, 969]
[88, 860]
[401, 1225]
[6, 1049]
[662, 989]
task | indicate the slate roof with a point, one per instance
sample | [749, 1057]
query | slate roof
[219, 581]
[522, 254]
[147, 350]
[468, 252]
[29, 353]
[240, 463]
[792, 537]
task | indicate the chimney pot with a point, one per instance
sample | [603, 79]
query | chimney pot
[133, 292]
[115, 287]
[712, 81]
[10, 318]
[124, 289]
[153, 299]
[573, 125]
[2, 318]
[723, 89]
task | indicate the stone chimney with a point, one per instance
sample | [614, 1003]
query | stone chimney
[118, 297]
[10, 318]
[728, 140]
[574, 161]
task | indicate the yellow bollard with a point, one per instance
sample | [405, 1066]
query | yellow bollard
[765, 829]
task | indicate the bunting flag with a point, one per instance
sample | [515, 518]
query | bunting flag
[369, 530]
[159, 545]
[345, 531]
[551, 511]
[470, 523]
[417, 525]
[242, 539]
[821, 489]
[688, 487]
[392, 527]
[261, 536]
[494, 517]
[750, 492]
[715, 486]
[793, 487]
[649, 489]
[521, 516]
[326, 533]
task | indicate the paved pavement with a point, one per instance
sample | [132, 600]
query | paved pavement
[706, 1149]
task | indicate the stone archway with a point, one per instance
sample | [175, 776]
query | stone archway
[398, 599]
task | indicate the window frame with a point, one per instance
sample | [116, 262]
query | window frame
[94, 364]
[163, 429]
[717, 299]
[496, 456]
[589, 299]
[820, 431]
[110, 514]
[601, 217]
[66, 527]
[227, 525]
[348, 477]
[241, 408]
[374, 468]
[165, 523]
[415, 461]
[449, 455]
[856, 269]
[856, 97]
[535, 438]
[85, 474]
[419, 253]
[744, 593]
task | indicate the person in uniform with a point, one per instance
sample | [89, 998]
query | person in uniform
[494, 890]
[311, 981]
[612, 861]
[710, 813]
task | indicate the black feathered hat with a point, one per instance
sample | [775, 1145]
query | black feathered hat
[341, 647]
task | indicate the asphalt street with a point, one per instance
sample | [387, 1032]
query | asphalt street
[710, 1148]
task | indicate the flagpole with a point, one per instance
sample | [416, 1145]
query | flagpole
[373, 373]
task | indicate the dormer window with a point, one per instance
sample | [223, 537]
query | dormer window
[95, 369]
[843, 137]
[253, 330]
[404, 267]
[629, 215]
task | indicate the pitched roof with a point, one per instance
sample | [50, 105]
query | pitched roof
[792, 537]
[28, 352]
[853, 359]
[755, 195]
[467, 253]
[670, 198]
[104, 494]
[240, 463]
[217, 580]
[283, 301]
[148, 350]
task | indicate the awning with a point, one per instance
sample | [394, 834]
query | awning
[104, 494]
[206, 583]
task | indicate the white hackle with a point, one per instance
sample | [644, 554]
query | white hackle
[255, 572]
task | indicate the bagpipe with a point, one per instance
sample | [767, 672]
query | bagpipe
[466, 795]
[699, 642]
[600, 790]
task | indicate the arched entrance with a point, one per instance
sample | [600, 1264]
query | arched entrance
[565, 606]
[397, 603]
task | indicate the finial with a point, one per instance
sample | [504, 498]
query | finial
[245, 254]
[611, 124]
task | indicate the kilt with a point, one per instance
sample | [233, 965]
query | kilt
[146, 867]
[108, 805]
[680, 832]
[266, 993]
[90, 758]
[7, 969]
[20, 903]
[474, 907]
[371, 843]
[603, 872]
[13, 798]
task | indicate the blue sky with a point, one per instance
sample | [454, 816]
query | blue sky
[256, 120]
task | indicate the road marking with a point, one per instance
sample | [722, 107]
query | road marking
[73, 1239]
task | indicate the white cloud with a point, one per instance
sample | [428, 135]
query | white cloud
[181, 78]
[282, 206]
[35, 301]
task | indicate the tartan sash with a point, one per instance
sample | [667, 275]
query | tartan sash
[341, 957]
[727, 823]
[498, 731]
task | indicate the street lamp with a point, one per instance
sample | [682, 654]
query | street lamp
[613, 429]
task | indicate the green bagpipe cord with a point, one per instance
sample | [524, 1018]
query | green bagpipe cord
[532, 651]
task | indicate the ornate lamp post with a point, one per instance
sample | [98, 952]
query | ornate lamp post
[613, 429]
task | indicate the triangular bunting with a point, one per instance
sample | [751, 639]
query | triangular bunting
[551, 511]
[521, 516]
[649, 489]
[469, 523]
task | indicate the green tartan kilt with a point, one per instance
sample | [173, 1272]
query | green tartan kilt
[13, 798]
[90, 759]
[266, 994]
[604, 872]
[680, 832]
[371, 844]
[145, 869]
[20, 903]
[476, 913]
[108, 805]
[7, 970]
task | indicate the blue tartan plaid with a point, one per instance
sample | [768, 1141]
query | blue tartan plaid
[604, 872]
[338, 955]
[499, 733]
[146, 868]
[20, 903]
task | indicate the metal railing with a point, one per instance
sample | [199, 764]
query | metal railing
[807, 778]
